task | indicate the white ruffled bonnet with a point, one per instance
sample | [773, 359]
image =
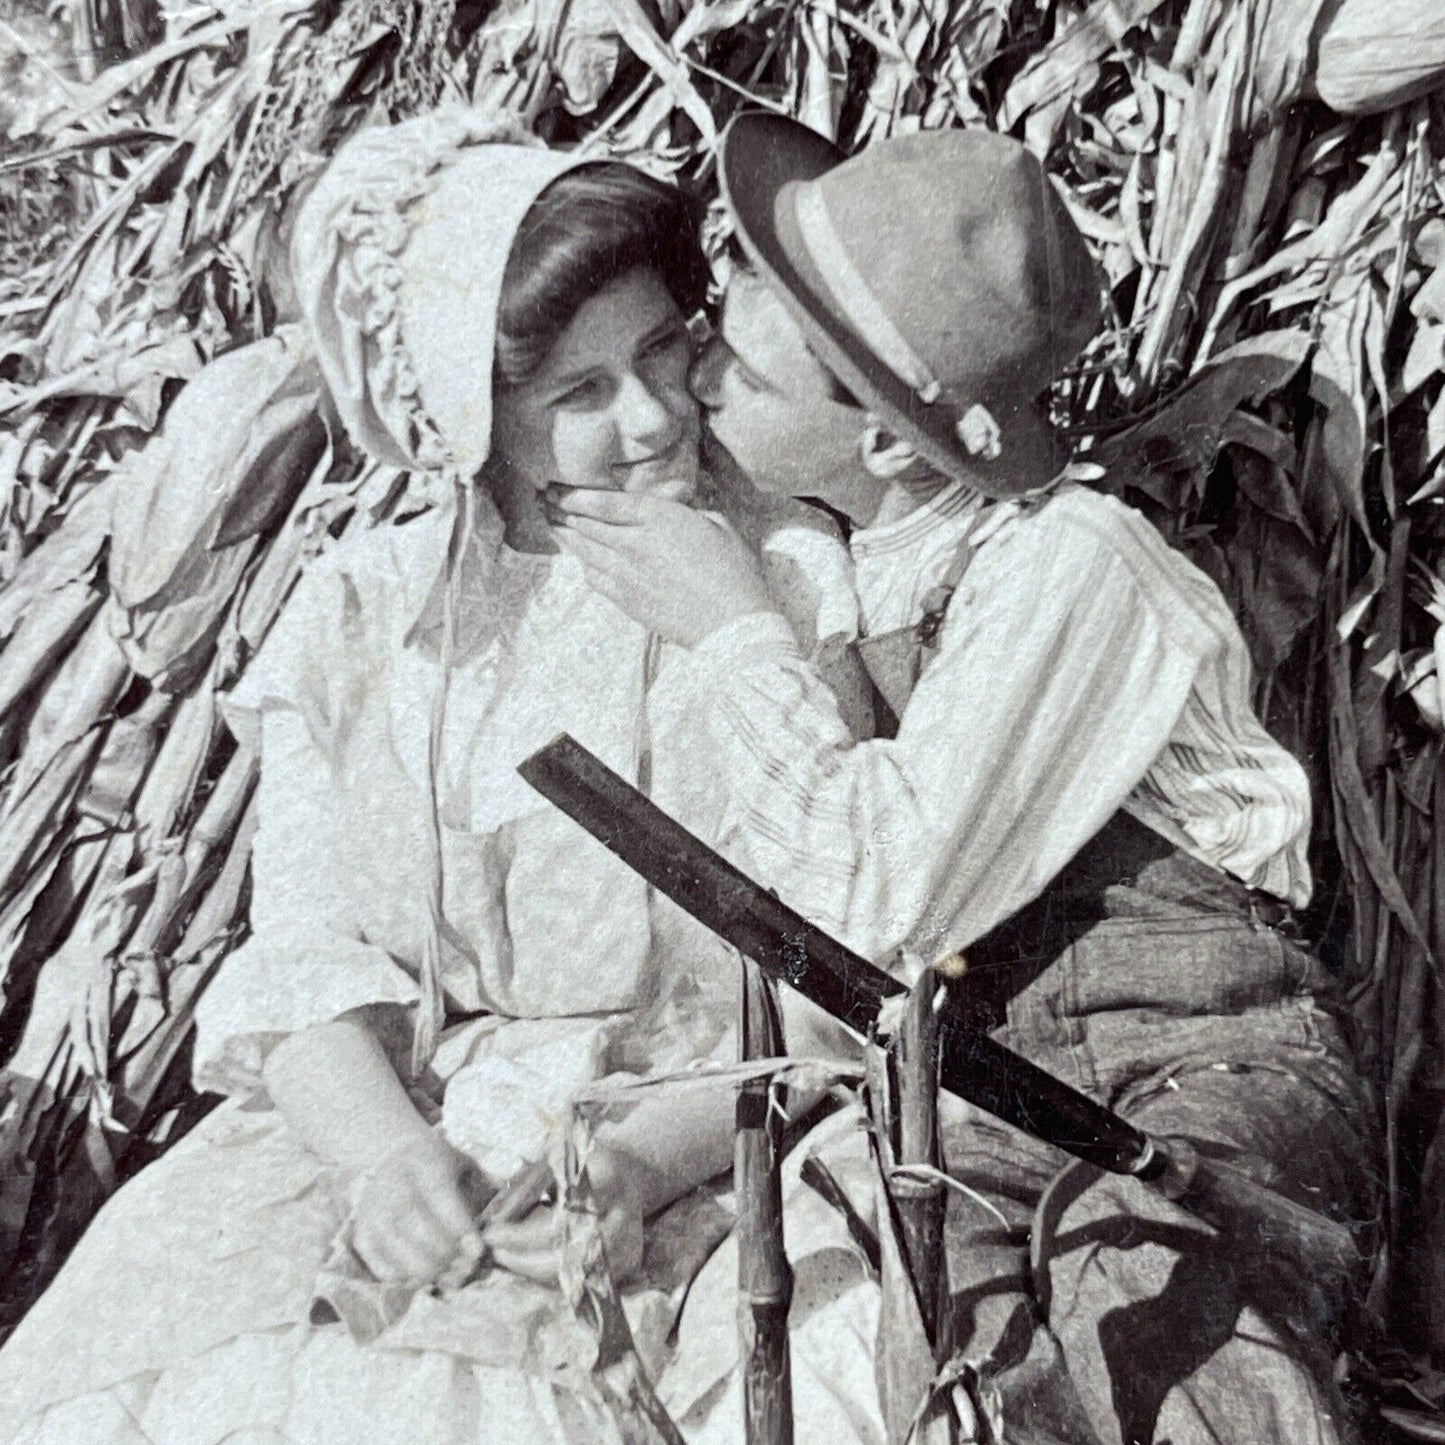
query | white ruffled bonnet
[397, 260]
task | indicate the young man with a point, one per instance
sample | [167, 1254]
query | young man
[1078, 800]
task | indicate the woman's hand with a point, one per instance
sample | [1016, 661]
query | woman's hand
[413, 1215]
[621, 1187]
[678, 572]
[413, 1211]
[669, 1144]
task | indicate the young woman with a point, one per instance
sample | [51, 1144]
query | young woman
[438, 961]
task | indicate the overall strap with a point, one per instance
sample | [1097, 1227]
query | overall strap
[895, 660]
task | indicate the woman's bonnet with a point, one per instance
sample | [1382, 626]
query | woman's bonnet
[397, 258]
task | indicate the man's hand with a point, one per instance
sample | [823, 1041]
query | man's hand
[413, 1214]
[678, 572]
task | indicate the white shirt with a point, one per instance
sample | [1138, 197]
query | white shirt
[1083, 666]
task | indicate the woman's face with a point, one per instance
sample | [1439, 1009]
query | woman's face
[609, 409]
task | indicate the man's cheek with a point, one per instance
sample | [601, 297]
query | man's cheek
[779, 439]
[738, 427]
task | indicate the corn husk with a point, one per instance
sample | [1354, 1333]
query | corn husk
[1372, 55]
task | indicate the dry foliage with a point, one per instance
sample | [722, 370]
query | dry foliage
[1259, 181]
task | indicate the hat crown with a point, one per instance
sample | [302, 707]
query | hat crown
[967, 251]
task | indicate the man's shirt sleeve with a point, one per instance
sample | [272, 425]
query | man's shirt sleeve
[1064, 665]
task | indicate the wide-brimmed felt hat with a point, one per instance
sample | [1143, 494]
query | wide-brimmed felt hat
[938, 275]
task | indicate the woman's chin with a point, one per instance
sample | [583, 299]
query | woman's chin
[669, 486]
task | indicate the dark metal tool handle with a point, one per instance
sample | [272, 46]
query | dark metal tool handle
[789, 948]
[971, 1064]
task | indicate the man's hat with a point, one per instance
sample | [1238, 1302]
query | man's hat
[937, 275]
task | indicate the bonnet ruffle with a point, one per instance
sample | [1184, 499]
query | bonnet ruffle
[397, 258]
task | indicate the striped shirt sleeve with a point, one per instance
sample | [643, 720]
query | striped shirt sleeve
[1065, 665]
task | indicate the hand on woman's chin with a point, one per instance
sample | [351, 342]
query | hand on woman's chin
[667, 489]
[674, 479]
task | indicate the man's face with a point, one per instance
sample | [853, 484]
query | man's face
[770, 401]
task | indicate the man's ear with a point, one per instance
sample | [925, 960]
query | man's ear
[885, 455]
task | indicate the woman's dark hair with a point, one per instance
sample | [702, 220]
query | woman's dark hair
[589, 227]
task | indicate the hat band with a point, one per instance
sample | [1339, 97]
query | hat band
[856, 298]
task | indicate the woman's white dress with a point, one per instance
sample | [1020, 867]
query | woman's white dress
[184, 1316]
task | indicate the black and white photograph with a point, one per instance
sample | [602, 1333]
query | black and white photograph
[722, 722]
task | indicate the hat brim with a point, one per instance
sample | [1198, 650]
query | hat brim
[764, 157]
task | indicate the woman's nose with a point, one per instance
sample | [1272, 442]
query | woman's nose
[704, 379]
[641, 411]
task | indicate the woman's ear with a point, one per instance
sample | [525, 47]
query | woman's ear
[885, 455]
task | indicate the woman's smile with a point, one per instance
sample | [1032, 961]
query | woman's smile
[670, 473]
[657, 458]
[609, 409]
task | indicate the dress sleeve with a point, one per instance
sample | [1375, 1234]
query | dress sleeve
[1063, 667]
[307, 700]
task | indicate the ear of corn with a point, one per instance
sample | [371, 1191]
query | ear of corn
[1258, 179]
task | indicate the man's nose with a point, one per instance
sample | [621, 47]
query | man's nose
[704, 378]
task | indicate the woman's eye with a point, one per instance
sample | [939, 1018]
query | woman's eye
[585, 393]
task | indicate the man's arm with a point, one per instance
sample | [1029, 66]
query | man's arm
[1066, 660]
[1056, 686]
